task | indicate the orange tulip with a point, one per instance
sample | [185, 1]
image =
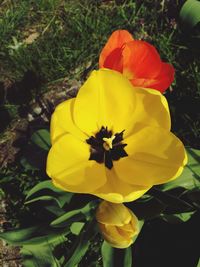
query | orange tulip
[137, 60]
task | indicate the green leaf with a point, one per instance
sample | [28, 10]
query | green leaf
[80, 214]
[32, 235]
[76, 227]
[171, 201]
[34, 156]
[128, 257]
[42, 185]
[42, 139]
[107, 253]
[17, 236]
[82, 244]
[67, 219]
[2, 194]
[41, 250]
[43, 254]
[190, 14]
[198, 264]
[147, 209]
[194, 197]
[6, 180]
[26, 164]
[177, 218]
[111, 256]
[47, 191]
[194, 161]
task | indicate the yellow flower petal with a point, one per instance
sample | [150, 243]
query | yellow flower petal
[152, 108]
[134, 223]
[69, 166]
[113, 214]
[155, 156]
[118, 191]
[123, 231]
[114, 237]
[62, 122]
[106, 99]
[117, 223]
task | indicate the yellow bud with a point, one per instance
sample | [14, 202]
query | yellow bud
[117, 224]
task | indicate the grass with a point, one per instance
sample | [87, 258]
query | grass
[54, 39]
[71, 34]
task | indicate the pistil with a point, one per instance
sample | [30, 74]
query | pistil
[108, 142]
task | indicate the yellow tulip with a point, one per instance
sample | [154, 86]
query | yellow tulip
[113, 140]
[117, 224]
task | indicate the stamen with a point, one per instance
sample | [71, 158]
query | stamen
[105, 147]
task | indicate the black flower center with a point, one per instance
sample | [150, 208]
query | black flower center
[106, 147]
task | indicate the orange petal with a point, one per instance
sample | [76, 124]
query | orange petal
[111, 53]
[161, 82]
[164, 79]
[141, 60]
[114, 60]
[143, 66]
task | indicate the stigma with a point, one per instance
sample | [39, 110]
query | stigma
[108, 142]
